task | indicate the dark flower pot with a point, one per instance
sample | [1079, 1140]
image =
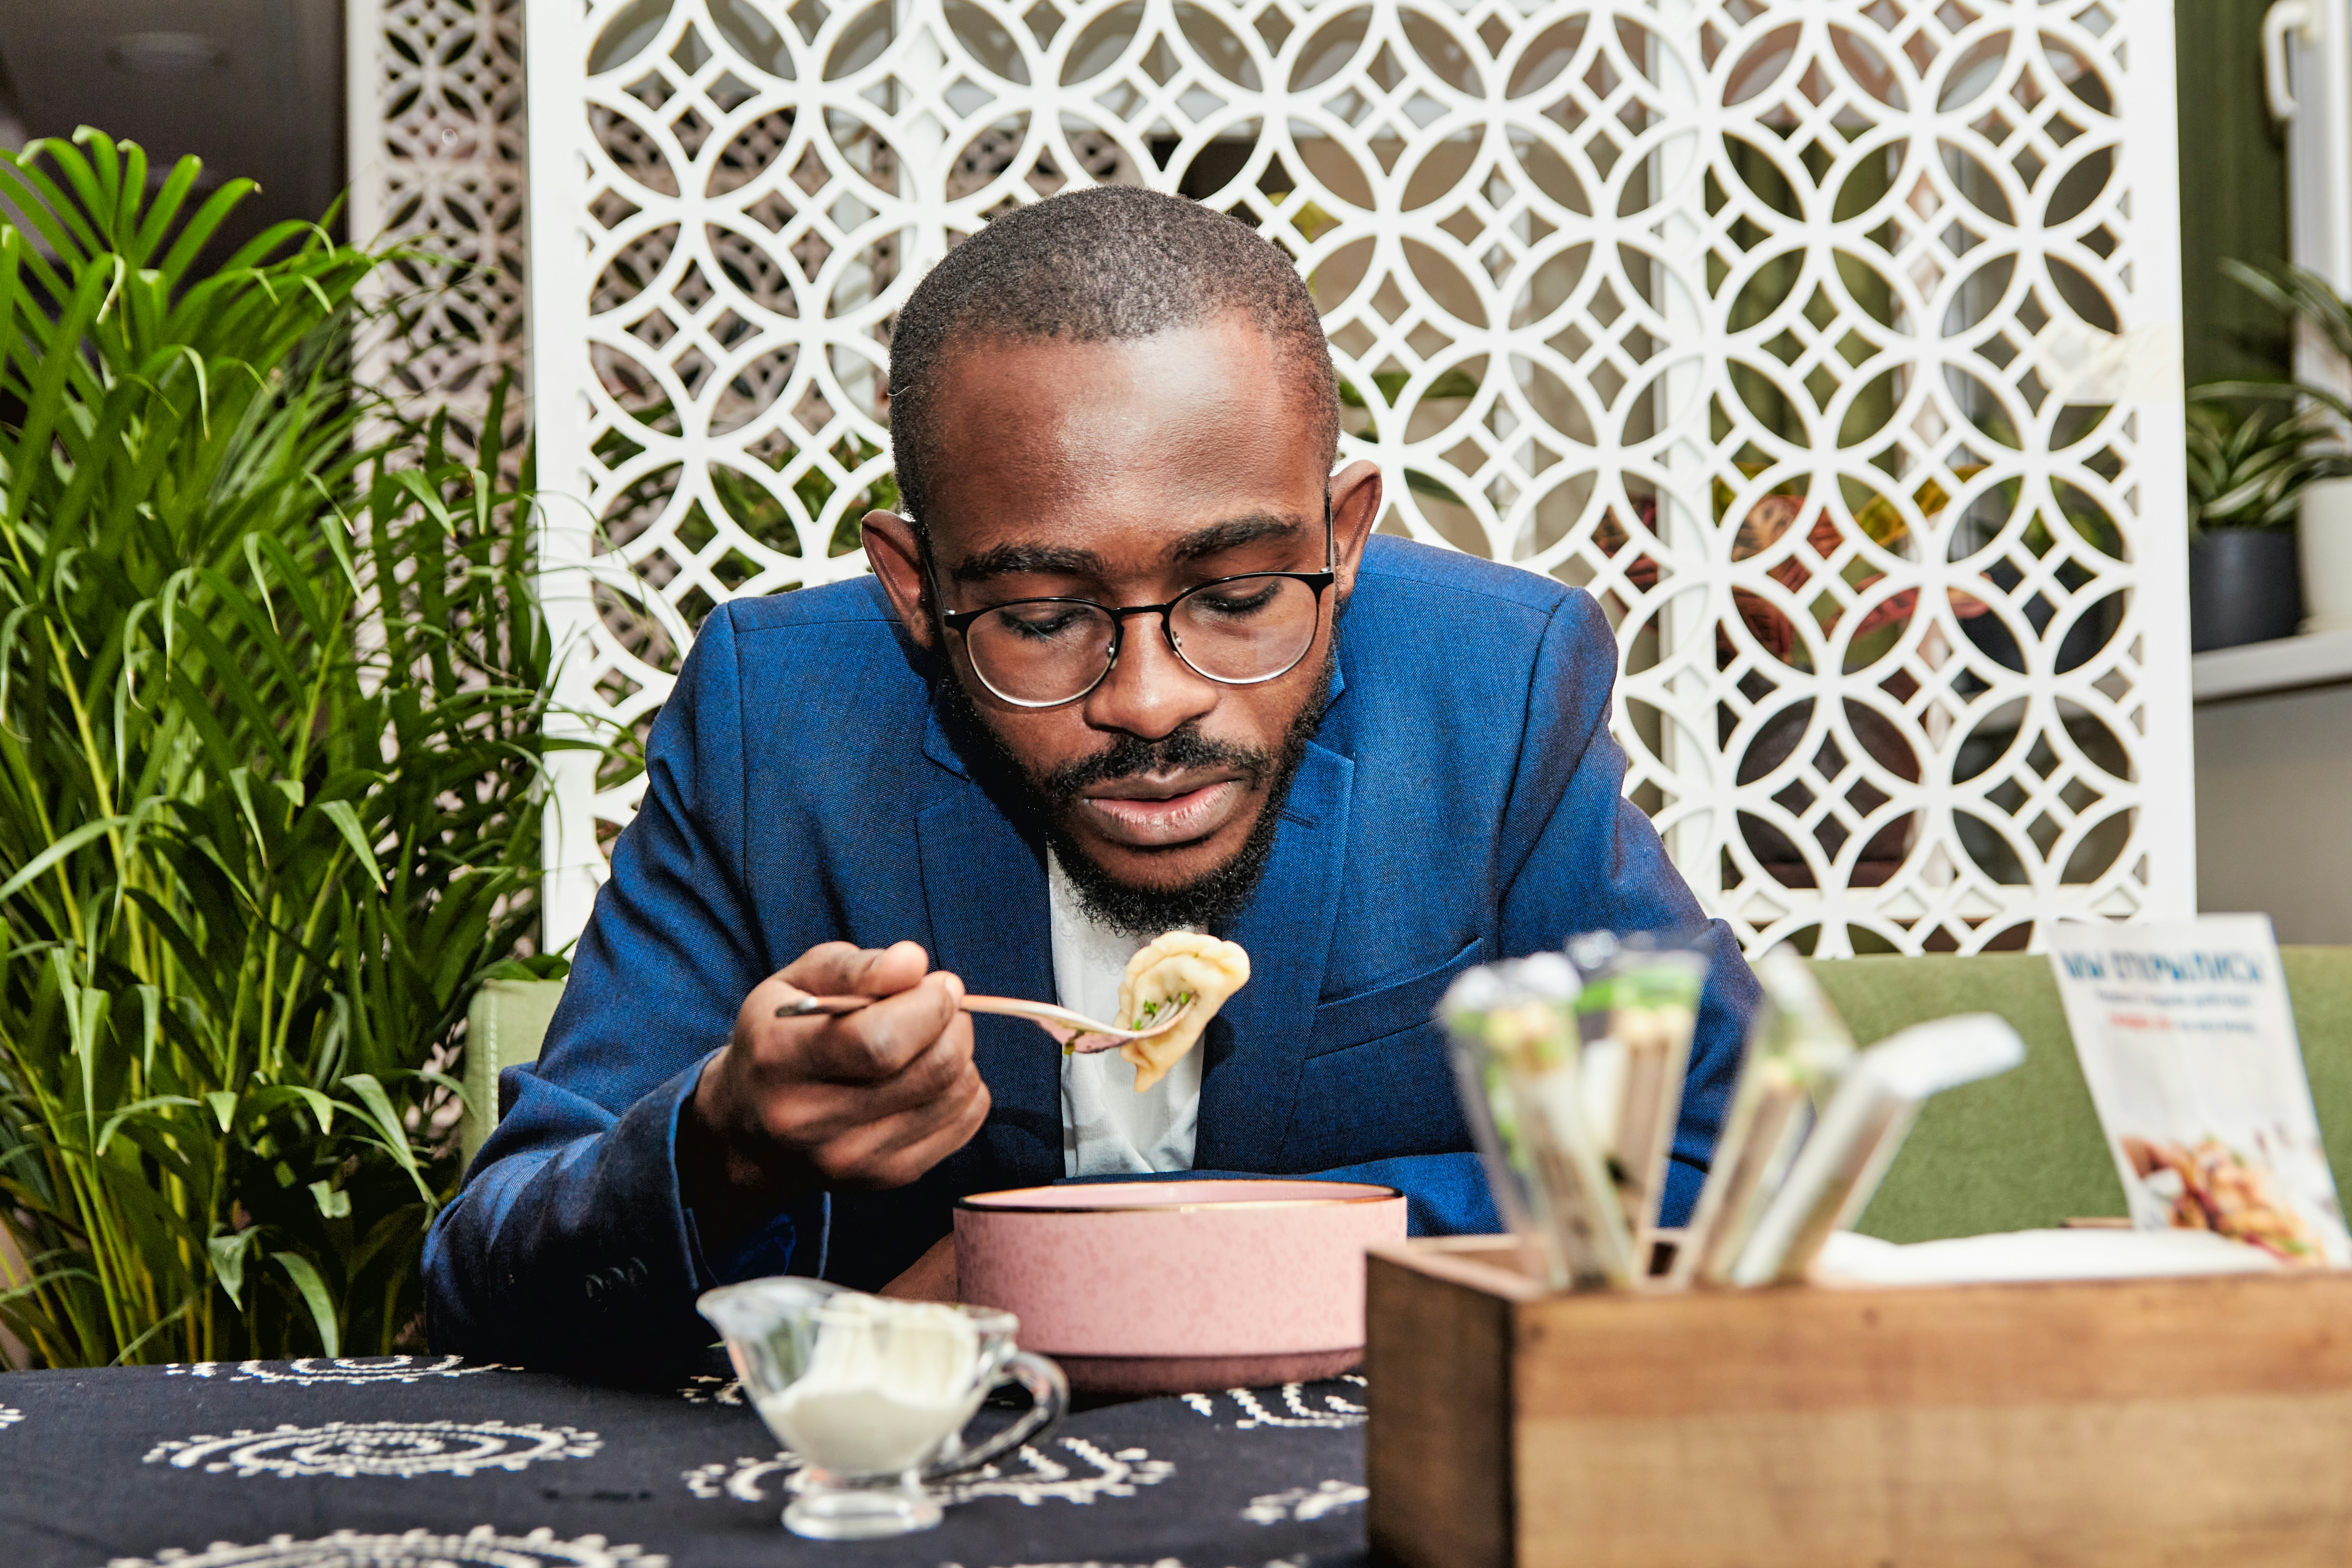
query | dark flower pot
[2243, 587]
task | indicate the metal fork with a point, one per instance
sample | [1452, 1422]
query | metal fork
[1066, 1027]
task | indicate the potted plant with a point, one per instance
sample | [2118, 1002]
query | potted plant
[2324, 521]
[2248, 464]
[271, 693]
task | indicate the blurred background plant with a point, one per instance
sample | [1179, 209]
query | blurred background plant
[271, 691]
[2256, 445]
[2252, 451]
[2299, 294]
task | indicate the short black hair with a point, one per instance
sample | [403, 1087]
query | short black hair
[1107, 264]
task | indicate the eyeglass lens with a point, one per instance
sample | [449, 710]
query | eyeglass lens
[1241, 630]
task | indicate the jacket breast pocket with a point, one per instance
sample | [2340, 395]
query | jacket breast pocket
[1377, 1081]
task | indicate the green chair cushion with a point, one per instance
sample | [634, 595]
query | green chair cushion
[2024, 1150]
[505, 1025]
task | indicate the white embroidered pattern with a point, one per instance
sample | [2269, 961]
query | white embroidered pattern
[706, 1388]
[312, 1370]
[480, 1547]
[1043, 1480]
[10, 1415]
[377, 1448]
[1323, 1407]
[1304, 1505]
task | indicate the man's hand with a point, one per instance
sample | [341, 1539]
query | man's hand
[872, 1099]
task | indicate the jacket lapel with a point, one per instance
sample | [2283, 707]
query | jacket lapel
[984, 887]
[1256, 1043]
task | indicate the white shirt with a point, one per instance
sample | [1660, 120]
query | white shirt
[1108, 1129]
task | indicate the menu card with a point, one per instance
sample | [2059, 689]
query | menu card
[2186, 1039]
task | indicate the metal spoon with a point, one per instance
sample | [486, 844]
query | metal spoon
[1066, 1027]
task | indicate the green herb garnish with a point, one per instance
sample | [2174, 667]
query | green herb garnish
[1150, 1010]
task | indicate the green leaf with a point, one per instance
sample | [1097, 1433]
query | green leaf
[320, 1106]
[332, 1204]
[57, 851]
[387, 1121]
[153, 1102]
[150, 1026]
[227, 1254]
[224, 1105]
[239, 780]
[314, 1295]
[347, 822]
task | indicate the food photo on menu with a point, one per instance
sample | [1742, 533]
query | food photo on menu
[2188, 1041]
[1233, 784]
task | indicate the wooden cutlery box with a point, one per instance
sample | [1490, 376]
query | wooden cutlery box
[2198, 1421]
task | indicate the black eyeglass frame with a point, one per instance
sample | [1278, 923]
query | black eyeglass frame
[961, 622]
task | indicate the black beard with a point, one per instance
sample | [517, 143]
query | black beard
[1207, 902]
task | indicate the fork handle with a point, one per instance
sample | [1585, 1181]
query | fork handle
[824, 1006]
[1058, 1021]
[1009, 1007]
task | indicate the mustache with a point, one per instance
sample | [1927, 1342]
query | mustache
[1130, 756]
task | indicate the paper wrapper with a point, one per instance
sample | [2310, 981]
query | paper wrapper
[1518, 1059]
[1798, 1049]
[1635, 1014]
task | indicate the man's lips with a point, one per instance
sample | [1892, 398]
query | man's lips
[1147, 814]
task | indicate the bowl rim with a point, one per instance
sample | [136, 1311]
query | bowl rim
[976, 1201]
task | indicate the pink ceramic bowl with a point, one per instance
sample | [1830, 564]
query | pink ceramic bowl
[1164, 1287]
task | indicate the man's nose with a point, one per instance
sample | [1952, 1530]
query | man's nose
[1150, 691]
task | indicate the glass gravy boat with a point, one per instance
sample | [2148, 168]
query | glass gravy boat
[873, 1395]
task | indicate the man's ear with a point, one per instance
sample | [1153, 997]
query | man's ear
[891, 551]
[1355, 512]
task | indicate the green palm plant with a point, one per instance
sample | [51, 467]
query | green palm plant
[270, 756]
[2300, 293]
[2248, 466]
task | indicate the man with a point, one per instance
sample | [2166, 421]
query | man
[1131, 662]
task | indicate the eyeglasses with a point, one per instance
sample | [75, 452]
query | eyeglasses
[1237, 631]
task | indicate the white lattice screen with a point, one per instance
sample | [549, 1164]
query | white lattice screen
[436, 139]
[1832, 345]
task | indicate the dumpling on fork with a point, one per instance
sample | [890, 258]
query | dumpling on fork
[1165, 973]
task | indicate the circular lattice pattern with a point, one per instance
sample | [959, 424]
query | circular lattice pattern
[1777, 329]
[378, 1449]
[348, 1369]
[437, 167]
[350, 1549]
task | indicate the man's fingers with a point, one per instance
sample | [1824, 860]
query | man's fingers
[898, 1149]
[844, 969]
[908, 1162]
[930, 1071]
[894, 968]
[819, 1110]
[870, 1098]
[879, 1041]
[824, 971]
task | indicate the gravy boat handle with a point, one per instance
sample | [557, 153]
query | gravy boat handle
[1049, 1397]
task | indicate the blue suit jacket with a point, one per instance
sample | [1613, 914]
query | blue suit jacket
[1461, 802]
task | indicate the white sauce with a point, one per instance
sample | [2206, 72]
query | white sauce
[888, 1383]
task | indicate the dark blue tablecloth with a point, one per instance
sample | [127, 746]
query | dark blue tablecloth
[351, 1464]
